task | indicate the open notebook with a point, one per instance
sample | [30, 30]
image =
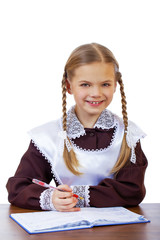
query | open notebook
[51, 221]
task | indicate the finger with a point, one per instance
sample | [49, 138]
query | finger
[65, 204]
[58, 202]
[62, 195]
[67, 207]
[68, 201]
[64, 187]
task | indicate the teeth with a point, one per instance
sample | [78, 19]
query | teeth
[95, 102]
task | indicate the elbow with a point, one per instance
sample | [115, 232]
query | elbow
[141, 195]
[11, 193]
[137, 197]
[14, 190]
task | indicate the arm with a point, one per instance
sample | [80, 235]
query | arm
[126, 189]
[21, 191]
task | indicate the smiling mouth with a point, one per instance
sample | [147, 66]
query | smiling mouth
[95, 102]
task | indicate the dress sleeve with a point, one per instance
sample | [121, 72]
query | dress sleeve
[126, 189]
[21, 191]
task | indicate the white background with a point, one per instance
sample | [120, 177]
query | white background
[36, 38]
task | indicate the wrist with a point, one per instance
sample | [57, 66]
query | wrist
[46, 199]
[83, 192]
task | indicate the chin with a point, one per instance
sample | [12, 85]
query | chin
[95, 111]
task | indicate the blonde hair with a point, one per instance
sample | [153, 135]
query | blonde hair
[82, 55]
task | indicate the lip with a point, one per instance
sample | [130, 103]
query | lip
[95, 103]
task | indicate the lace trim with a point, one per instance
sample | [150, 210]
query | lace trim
[54, 175]
[82, 191]
[75, 129]
[97, 150]
[106, 120]
[46, 200]
[134, 133]
[133, 155]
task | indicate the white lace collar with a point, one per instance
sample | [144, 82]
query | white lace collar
[75, 129]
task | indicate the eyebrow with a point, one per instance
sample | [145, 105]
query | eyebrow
[87, 81]
[109, 80]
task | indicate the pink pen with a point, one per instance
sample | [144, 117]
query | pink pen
[43, 184]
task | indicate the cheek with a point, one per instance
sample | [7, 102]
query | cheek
[79, 97]
[110, 92]
[109, 95]
[78, 94]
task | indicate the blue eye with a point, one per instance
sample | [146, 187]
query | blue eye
[85, 85]
[106, 84]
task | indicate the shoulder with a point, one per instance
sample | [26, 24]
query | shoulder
[134, 132]
[49, 128]
[46, 135]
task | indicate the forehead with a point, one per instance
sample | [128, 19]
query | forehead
[97, 69]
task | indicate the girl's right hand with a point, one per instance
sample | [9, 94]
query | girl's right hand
[64, 201]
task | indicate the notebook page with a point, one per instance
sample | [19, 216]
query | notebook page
[114, 214]
[47, 220]
[39, 221]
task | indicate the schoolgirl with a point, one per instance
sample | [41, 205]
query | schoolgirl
[90, 151]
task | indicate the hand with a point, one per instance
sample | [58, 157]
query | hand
[64, 201]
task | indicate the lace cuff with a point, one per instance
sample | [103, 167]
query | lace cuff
[46, 200]
[82, 191]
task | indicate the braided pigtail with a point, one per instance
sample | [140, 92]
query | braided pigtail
[123, 101]
[68, 153]
[125, 150]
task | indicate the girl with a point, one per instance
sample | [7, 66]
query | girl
[90, 151]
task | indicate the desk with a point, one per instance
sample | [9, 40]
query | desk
[9, 230]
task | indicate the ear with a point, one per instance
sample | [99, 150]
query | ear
[68, 86]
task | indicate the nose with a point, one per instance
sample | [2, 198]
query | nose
[95, 92]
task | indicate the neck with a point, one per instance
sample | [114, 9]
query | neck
[88, 121]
